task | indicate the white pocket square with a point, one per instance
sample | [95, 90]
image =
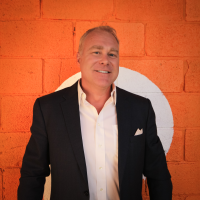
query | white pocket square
[139, 132]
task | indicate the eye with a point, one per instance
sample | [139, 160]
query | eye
[96, 52]
[112, 55]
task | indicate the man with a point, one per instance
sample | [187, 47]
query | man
[98, 138]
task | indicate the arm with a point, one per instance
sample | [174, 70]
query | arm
[35, 165]
[156, 171]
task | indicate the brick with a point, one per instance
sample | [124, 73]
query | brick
[174, 197]
[81, 28]
[192, 78]
[149, 10]
[192, 10]
[85, 10]
[20, 76]
[131, 37]
[68, 69]
[12, 148]
[166, 74]
[1, 185]
[19, 9]
[185, 177]
[172, 40]
[52, 69]
[17, 113]
[36, 39]
[0, 112]
[176, 150]
[192, 148]
[10, 183]
[185, 108]
[193, 197]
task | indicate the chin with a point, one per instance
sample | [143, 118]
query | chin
[103, 84]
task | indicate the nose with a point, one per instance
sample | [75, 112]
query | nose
[104, 60]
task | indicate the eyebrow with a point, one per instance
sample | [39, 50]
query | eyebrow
[96, 47]
[101, 47]
[113, 49]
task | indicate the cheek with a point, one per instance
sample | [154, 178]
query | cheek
[116, 65]
[90, 60]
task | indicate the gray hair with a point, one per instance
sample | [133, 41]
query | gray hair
[101, 28]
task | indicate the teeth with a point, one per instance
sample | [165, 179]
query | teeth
[105, 72]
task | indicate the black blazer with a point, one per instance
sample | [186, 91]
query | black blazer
[56, 140]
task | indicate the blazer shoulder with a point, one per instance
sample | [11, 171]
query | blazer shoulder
[59, 96]
[131, 97]
[135, 105]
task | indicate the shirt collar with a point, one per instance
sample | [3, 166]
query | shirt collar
[81, 94]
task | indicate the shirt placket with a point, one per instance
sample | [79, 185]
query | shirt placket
[100, 158]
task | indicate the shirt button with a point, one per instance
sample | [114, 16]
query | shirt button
[100, 167]
[98, 124]
[100, 145]
[101, 189]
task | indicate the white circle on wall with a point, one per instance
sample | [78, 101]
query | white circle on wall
[137, 83]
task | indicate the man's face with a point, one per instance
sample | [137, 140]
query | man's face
[99, 60]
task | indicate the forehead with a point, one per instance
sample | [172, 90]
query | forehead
[99, 37]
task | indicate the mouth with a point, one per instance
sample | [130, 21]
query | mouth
[103, 72]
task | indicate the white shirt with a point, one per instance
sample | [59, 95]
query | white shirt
[100, 143]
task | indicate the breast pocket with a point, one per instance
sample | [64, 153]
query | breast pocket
[137, 138]
[137, 147]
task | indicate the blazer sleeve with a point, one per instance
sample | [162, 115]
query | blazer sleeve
[155, 167]
[35, 165]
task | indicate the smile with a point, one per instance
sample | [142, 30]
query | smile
[104, 72]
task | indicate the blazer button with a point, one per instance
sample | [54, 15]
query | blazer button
[86, 193]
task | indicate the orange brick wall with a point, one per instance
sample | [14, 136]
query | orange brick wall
[38, 45]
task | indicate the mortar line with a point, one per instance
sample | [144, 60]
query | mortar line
[74, 37]
[114, 9]
[184, 11]
[145, 29]
[121, 57]
[186, 196]
[2, 183]
[184, 145]
[61, 62]
[1, 112]
[182, 22]
[41, 10]
[43, 74]
[184, 76]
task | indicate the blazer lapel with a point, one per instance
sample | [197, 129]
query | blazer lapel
[125, 122]
[70, 110]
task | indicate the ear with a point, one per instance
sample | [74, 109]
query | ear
[78, 57]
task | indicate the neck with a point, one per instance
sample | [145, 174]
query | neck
[96, 96]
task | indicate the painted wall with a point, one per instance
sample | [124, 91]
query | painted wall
[159, 39]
